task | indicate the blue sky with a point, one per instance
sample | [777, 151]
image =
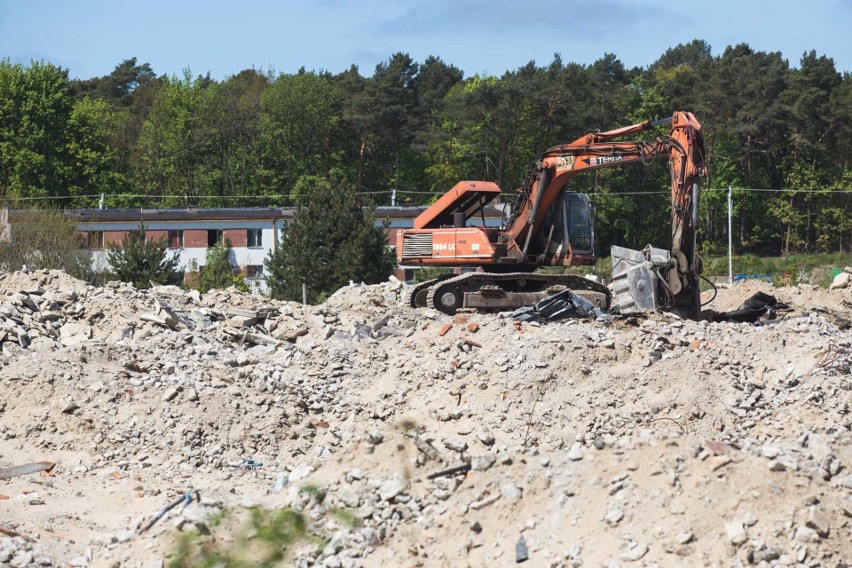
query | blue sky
[90, 37]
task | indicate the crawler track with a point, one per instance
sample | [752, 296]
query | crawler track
[483, 290]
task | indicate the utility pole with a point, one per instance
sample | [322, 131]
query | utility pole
[730, 241]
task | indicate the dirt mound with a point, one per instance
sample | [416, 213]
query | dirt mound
[32, 281]
[803, 296]
[391, 436]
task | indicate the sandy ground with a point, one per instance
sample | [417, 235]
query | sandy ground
[630, 442]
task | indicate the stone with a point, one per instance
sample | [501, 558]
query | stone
[766, 555]
[842, 280]
[484, 435]
[74, 333]
[455, 443]
[22, 559]
[511, 491]
[736, 532]
[482, 462]
[576, 452]
[806, 535]
[301, 471]
[240, 322]
[170, 394]
[634, 553]
[614, 515]
[818, 521]
[391, 488]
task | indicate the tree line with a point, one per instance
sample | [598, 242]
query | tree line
[259, 139]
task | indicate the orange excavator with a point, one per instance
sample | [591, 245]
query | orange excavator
[550, 226]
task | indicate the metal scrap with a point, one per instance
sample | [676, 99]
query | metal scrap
[448, 472]
[186, 499]
[13, 534]
[26, 469]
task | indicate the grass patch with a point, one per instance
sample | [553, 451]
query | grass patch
[784, 270]
[253, 537]
[347, 517]
[315, 491]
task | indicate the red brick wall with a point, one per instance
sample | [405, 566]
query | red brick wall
[391, 233]
[156, 235]
[400, 274]
[195, 238]
[113, 237]
[237, 237]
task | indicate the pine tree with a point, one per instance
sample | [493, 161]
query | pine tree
[331, 241]
[140, 261]
[218, 272]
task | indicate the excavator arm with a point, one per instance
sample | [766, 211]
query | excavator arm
[678, 279]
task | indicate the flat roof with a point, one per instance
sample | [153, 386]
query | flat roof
[230, 214]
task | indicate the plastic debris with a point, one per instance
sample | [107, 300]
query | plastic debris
[564, 304]
[522, 553]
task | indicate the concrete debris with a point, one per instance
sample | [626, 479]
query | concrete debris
[408, 437]
[736, 532]
[819, 521]
[842, 280]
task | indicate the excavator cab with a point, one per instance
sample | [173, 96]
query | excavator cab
[568, 227]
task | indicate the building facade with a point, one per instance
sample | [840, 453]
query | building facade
[253, 233]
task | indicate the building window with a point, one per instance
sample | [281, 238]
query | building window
[214, 238]
[254, 271]
[95, 240]
[255, 238]
[175, 239]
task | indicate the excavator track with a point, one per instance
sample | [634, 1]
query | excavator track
[490, 291]
[417, 293]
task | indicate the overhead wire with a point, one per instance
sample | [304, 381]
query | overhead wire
[119, 196]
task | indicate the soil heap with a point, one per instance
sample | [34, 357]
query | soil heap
[404, 437]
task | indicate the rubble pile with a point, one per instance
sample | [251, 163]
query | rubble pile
[412, 438]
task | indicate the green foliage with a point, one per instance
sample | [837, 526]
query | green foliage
[35, 106]
[169, 152]
[218, 271]
[97, 160]
[141, 261]
[298, 127]
[784, 270]
[316, 492]
[428, 273]
[331, 241]
[348, 517]
[42, 239]
[263, 540]
[420, 128]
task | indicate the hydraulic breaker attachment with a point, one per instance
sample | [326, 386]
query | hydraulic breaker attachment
[638, 278]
